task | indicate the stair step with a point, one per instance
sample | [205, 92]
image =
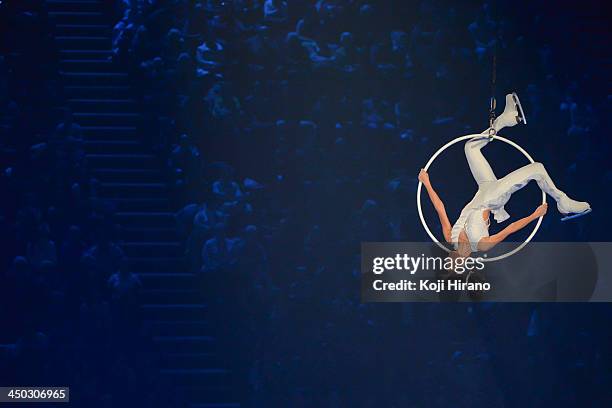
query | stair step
[127, 161]
[83, 29]
[146, 219]
[104, 118]
[148, 234]
[190, 360]
[220, 393]
[112, 146]
[198, 376]
[169, 280]
[95, 65]
[154, 264]
[82, 17]
[157, 248]
[85, 54]
[178, 328]
[97, 79]
[134, 190]
[146, 191]
[67, 5]
[74, 42]
[128, 175]
[177, 296]
[141, 204]
[103, 105]
[186, 344]
[95, 91]
[174, 311]
[110, 132]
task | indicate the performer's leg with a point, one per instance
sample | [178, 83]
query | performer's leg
[535, 171]
[479, 166]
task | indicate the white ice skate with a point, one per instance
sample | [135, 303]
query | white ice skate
[572, 208]
[512, 115]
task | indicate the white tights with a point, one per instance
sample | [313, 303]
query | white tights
[483, 173]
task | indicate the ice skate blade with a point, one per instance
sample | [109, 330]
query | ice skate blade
[577, 215]
[522, 118]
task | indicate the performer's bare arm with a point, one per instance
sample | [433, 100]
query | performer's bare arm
[438, 205]
[489, 242]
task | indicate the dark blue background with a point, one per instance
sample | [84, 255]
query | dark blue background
[139, 136]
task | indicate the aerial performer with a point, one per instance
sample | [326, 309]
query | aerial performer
[470, 233]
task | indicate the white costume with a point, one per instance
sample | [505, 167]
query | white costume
[494, 193]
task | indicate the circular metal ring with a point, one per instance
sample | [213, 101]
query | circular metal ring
[431, 160]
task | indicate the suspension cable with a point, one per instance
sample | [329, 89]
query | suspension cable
[493, 101]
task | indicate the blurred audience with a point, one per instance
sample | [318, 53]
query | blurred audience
[286, 127]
